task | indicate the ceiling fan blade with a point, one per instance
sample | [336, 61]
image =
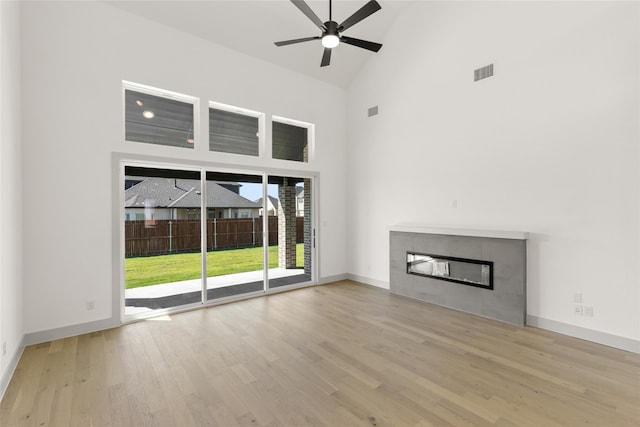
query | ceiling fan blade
[286, 42]
[371, 7]
[326, 57]
[361, 43]
[304, 8]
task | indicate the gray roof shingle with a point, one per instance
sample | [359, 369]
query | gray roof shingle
[183, 193]
[274, 201]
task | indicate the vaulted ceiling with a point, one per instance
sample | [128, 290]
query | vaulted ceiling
[252, 26]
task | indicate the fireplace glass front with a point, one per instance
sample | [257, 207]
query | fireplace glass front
[469, 272]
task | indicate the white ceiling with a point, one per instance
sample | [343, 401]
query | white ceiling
[252, 26]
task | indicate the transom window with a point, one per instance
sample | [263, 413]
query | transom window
[158, 117]
[234, 130]
[290, 140]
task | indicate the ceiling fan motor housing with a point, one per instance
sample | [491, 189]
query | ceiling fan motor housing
[331, 29]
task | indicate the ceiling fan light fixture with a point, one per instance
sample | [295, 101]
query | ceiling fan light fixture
[330, 41]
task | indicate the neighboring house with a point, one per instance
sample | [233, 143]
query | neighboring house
[272, 205]
[175, 198]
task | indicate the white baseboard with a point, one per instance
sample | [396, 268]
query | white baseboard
[69, 331]
[11, 369]
[368, 281]
[331, 279]
[603, 338]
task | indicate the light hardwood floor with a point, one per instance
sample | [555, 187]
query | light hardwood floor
[336, 355]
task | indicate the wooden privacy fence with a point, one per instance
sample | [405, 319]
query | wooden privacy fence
[183, 235]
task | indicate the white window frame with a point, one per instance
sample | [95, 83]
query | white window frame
[120, 160]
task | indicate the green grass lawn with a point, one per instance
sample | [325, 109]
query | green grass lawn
[153, 270]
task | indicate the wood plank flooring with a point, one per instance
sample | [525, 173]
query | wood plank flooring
[335, 355]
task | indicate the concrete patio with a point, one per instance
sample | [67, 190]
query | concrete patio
[149, 298]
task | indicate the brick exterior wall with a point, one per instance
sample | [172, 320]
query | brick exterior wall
[287, 225]
[308, 232]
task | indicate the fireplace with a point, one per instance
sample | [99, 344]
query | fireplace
[477, 271]
[470, 272]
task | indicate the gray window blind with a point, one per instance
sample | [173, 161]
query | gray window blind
[290, 142]
[231, 132]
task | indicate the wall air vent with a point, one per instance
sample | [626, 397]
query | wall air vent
[483, 73]
[373, 111]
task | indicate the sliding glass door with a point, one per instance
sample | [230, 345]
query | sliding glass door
[293, 241]
[197, 236]
[162, 239]
[235, 251]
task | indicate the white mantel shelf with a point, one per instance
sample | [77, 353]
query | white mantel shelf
[470, 232]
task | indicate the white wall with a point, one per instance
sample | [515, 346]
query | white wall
[76, 55]
[11, 330]
[549, 145]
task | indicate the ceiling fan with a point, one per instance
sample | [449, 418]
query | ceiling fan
[331, 30]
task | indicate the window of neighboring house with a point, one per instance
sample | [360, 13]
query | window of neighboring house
[290, 140]
[154, 116]
[133, 216]
[234, 130]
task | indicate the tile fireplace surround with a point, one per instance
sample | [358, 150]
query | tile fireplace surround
[507, 250]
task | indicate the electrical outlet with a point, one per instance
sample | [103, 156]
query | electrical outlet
[577, 298]
[578, 309]
[91, 304]
[588, 311]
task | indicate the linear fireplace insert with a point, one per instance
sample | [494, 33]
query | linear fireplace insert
[471, 272]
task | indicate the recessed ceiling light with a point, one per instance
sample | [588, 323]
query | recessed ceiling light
[139, 103]
[148, 114]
